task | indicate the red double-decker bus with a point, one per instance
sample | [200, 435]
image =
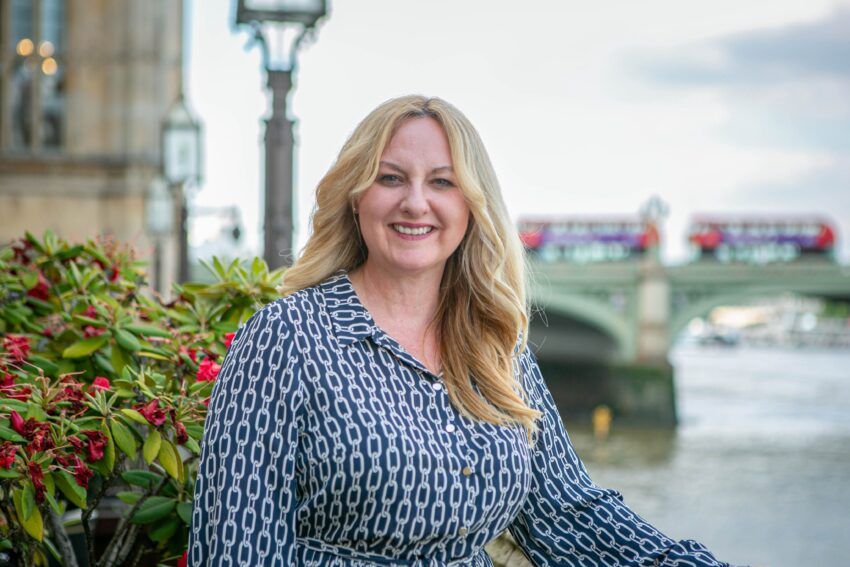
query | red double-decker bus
[761, 239]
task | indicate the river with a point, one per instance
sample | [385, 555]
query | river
[758, 469]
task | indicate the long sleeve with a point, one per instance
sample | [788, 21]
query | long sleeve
[244, 506]
[568, 520]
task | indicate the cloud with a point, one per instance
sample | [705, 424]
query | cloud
[798, 52]
[786, 87]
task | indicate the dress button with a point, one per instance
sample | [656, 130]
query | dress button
[462, 532]
[450, 427]
[438, 386]
[466, 471]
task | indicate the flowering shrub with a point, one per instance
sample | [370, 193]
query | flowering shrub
[103, 393]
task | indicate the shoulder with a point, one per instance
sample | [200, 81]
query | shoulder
[288, 315]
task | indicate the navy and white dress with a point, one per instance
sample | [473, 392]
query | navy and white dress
[328, 444]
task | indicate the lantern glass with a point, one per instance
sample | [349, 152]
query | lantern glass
[159, 209]
[181, 146]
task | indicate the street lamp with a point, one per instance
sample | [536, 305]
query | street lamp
[279, 27]
[159, 222]
[181, 166]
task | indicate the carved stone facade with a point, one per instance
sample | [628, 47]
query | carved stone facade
[84, 87]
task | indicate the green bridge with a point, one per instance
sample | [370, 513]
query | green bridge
[603, 331]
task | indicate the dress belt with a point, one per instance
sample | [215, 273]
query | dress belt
[323, 547]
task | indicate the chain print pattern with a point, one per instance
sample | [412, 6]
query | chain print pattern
[328, 444]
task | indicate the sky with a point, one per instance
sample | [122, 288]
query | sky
[585, 107]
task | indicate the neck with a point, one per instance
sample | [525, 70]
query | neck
[397, 297]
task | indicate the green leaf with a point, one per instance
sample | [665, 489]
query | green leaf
[148, 331]
[184, 510]
[35, 411]
[35, 524]
[129, 497]
[75, 493]
[119, 359]
[126, 340]
[10, 435]
[85, 347]
[17, 405]
[195, 430]
[135, 416]
[170, 460]
[28, 500]
[193, 446]
[150, 450]
[138, 477]
[153, 509]
[164, 530]
[4, 473]
[109, 450]
[124, 438]
[47, 366]
[154, 355]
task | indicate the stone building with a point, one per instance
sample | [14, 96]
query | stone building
[84, 88]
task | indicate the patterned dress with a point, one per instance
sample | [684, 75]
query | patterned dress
[328, 444]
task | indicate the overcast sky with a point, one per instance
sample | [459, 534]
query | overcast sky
[716, 106]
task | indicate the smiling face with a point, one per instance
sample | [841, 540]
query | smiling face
[413, 216]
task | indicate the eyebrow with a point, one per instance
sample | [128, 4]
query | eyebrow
[400, 170]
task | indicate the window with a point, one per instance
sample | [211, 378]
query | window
[32, 75]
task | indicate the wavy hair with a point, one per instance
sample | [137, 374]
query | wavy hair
[482, 292]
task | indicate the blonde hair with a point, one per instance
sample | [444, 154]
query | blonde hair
[482, 310]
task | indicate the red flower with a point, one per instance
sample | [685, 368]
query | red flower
[207, 370]
[96, 444]
[22, 249]
[152, 412]
[23, 394]
[90, 312]
[184, 559]
[192, 353]
[41, 439]
[206, 402]
[100, 382]
[92, 331]
[17, 423]
[181, 435]
[82, 473]
[114, 273]
[228, 338]
[8, 381]
[37, 476]
[72, 391]
[17, 346]
[41, 290]
[76, 443]
[7, 454]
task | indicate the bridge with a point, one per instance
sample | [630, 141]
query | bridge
[604, 330]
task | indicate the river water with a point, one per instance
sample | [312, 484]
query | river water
[758, 469]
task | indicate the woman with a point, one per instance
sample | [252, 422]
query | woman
[386, 410]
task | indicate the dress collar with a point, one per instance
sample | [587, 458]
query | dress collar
[353, 323]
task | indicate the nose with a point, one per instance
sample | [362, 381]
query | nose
[415, 202]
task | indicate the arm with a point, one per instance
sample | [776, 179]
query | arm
[244, 507]
[568, 520]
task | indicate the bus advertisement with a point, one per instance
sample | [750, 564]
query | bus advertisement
[760, 240]
[586, 239]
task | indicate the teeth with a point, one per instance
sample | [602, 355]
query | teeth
[413, 231]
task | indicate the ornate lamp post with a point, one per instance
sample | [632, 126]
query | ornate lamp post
[279, 27]
[181, 167]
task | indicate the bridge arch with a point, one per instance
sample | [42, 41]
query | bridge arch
[596, 314]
